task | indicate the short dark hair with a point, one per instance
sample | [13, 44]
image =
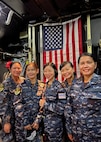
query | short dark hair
[53, 66]
[65, 63]
[87, 54]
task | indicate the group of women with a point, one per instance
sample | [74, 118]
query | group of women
[36, 111]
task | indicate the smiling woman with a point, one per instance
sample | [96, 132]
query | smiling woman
[87, 66]
[83, 107]
[11, 115]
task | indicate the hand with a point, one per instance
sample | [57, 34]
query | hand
[70, 137]
[35, 126]
[7, 127]
[41, 89]
[28, 127]
[42, 102]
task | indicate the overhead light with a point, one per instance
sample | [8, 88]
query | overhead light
[32, 21]
[9, 17]
[86, 0]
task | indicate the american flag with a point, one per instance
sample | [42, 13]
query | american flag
[62, 42]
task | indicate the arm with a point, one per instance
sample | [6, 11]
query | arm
[8, 107]
[67, 115]
[56, 99]
[26, 110]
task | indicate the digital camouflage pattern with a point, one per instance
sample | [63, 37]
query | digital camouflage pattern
[83, 110]
[13, 111]
[53, 111]
[31, 98]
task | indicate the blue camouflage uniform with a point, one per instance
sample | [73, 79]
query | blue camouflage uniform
[83, 110]
[31, 107]
[3, 105]
[53, 111]
[13, 113]
[67, 88]
[3, 101]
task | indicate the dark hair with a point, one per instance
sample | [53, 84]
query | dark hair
[13, 62]
[87, 54]
[34, 64]
[65, 63]
[53, 66]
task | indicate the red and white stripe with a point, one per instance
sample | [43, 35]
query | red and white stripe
[72, 46]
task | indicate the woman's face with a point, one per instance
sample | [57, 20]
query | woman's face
[87, 66]
[16, 70]
[31, 72]
[67, 71]
[49, 73]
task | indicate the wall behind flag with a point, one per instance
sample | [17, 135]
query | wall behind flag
[61, 42]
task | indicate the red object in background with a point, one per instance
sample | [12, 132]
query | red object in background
[8, 64]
